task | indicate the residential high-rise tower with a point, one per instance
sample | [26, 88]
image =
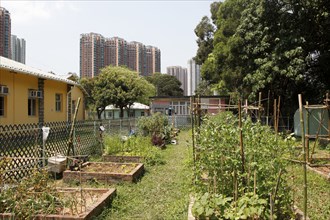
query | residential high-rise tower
[181, 74]
[5, 33]
[193, 77]
[97, 52]
[18, 46]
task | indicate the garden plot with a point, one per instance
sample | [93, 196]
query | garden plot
[122, 159]
[71, 203]
[240, 171]
[105, 172]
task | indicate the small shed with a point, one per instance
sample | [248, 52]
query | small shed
[316, 117]
[135, 111]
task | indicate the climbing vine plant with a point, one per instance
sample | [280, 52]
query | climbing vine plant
[232, 186]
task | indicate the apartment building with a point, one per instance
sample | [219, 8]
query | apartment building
[5, 33]
[97, 52]
[181, 74]
[18, 47]
[193, 77]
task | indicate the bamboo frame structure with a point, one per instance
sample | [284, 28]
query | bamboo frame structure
[318, 136]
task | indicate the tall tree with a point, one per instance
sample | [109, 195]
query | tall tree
[121, 87]
[277, 45]
[166, 85]
[88, 85]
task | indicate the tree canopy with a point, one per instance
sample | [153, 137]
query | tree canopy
[166, 85]
[121, 87]
[261, 45]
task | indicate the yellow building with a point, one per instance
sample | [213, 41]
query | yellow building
[30, 95]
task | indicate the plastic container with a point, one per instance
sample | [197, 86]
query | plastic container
[57, 164]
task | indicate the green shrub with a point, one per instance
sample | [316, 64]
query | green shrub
[154, 124]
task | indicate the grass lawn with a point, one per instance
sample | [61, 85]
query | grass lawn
[162, 193]
[318, 193]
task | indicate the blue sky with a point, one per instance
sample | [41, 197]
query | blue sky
[52, 28]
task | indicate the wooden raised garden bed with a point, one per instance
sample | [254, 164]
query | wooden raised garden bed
[105, 172]
[86, 203]
[122, 159]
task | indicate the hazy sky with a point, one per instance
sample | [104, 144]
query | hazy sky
[52, 28]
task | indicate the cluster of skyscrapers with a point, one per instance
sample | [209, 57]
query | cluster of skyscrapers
[11, 46]
[97, 52]
[189, 77]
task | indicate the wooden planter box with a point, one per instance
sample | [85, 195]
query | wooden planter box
[104, 176]
[122, 159]
[92, 210]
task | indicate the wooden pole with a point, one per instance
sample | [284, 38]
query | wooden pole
[241, 139]
[304, 153]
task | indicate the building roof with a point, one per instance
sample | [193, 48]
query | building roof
[12, 65]
[135, 105]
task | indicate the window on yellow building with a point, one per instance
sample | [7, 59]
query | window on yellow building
[32, 107]
[58, 102]
[2, 106]
[73, 106]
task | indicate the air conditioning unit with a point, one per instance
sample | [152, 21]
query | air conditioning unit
[4, 90]
[35, 94]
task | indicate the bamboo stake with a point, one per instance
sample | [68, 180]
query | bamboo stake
[259, 107]
[255, 182]
[278, 113]
[271, 204]
[327, 101]
[274, 115]
[307, 134]
[241, 139]
[70, 141]
[193, 136]
[277, 184]
[304, 153]
[268, 102]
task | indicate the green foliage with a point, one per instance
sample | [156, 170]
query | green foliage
[88, 85]
[204, 31]
[203, 89]
[121, 87]
[265, 45]
[166, 85]
[154, 124]
[219, 167]
[215, 206]
[157, 127]
[133, 146]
